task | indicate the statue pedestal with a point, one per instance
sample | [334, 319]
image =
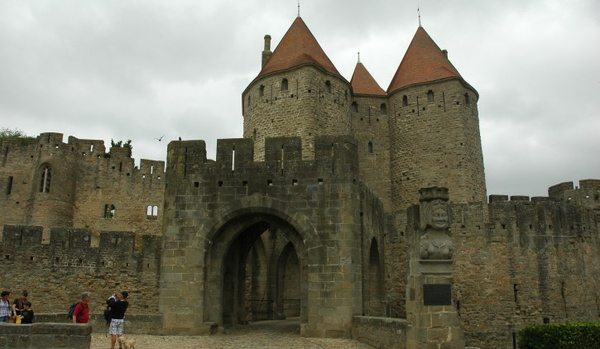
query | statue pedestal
[435, 267]
[433, 321]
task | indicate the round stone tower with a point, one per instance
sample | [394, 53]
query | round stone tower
[435, 128]
[298, 93]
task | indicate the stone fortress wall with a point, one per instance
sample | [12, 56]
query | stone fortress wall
[57, 271]
[48, 183]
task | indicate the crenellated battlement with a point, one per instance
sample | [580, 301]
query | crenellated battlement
[56, 272]
[74, 239]
[335, 156]
[524, 221]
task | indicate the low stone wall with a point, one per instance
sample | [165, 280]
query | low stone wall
[380, 332]
[134, 323]
[45, 336]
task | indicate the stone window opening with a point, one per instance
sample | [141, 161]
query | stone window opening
[9, 183]
[370, 147]
[430, 97]
[109, 211]
[151, 212]
[328, 86]
[354, 107]
[261, 90]
[45, 179]
[404, 100]
[383, 109]
[284, 85]
[467, 99]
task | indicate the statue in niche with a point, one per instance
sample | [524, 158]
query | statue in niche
[435, 242]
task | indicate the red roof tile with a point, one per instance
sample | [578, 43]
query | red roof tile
[423, 62]
[363, 83]
[298, 46]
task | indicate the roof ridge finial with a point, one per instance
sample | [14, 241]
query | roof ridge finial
[298, 8]
[359, 57]
[419, 14]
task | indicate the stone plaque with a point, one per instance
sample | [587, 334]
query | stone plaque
[437, 294]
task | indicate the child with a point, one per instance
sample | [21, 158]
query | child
[27, 313]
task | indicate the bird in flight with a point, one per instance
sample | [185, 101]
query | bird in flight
[160, 139]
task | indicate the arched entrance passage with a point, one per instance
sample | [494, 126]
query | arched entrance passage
[255, 270]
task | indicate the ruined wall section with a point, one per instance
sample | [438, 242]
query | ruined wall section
[303, 102]
[83, 182]
[55, 273]
[436, 142]
[534, 261]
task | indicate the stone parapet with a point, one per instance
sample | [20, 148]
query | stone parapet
[45, 336]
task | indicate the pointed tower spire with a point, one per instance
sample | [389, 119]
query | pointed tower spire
[363, 83]
[424, 61]
[298, 47]
[419, 14]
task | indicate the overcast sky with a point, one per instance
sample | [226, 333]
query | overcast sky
[124, 69]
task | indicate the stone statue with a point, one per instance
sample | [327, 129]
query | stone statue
[435, 242]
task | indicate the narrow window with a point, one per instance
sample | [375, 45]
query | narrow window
[233, 159]
[284, 85]
[467, 99]
[354, 107]
[149, 211]
[155, 211]
[45, 179]
[383, 109]
[404, 100]
[261, 91]
[370, 147]
[430, 96]
[109, 211]
[249, 99]
[9, 185]
[328, 86]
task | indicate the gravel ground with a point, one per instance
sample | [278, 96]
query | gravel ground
[262, 334]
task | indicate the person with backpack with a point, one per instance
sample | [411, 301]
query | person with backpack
[81, 312]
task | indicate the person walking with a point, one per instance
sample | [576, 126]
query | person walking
[117, 315]
[81, 313]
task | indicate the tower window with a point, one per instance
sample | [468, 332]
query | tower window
[9, 183]
[354, 107]
[467, 99]
[370, 147]
[151, 212]
[45, 179]
[261, 91]
[430, 96]
[284, 85]
[109, 211]
[328, 86]
[383, 109]
[404, 100]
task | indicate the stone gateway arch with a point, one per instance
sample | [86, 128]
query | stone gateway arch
[283, 237]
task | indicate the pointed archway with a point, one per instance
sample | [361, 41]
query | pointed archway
[255, 271]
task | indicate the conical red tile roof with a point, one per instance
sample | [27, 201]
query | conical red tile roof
[363, 83]
[298, 46]
[423, 62]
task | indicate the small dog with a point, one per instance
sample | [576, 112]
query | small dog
[127, 343]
